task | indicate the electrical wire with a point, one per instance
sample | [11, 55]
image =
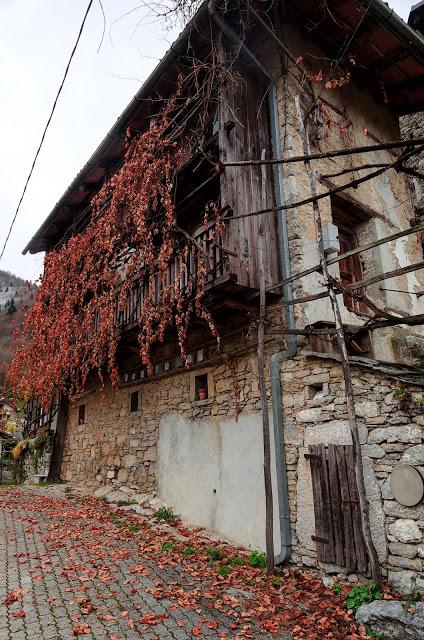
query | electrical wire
[46, 127]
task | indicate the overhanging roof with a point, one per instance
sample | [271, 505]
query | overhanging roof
[389, 57]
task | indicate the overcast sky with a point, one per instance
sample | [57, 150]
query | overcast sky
[36, 38]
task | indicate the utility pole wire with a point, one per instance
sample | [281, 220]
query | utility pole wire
[46, 128]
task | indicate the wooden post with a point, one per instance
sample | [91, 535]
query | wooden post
[269, 520]
[350, 403]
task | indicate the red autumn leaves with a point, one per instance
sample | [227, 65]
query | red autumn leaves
[155, 565]
[71, 330]
[14, 596]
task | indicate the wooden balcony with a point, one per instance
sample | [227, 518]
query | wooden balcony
[218, 274]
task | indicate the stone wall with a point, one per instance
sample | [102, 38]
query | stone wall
[412, 126]
[146, 450]
[390, 435]
[116, 445]
[347, 118]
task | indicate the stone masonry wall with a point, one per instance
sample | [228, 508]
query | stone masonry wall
[120, 448]
[412, 126]
[389, 434]
[348, 117]
[115, 445]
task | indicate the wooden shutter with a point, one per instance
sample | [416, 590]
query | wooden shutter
[338, 529]
[350, 269]
[244, 135]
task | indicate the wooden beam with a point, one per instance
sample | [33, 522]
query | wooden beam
[353, 184]
[407, 85]
[352, 252]
[387, 60]
[360, 284]
[385, 276]
[329, 154]
[415, 320]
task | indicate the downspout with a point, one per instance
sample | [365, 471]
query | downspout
[283, 242]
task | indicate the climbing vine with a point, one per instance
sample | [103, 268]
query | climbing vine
[73, 328]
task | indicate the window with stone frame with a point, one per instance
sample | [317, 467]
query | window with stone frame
[347, 218]
[135, 401]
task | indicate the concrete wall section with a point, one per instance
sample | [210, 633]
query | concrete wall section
[211, 472]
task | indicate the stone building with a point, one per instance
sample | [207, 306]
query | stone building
[194, 437]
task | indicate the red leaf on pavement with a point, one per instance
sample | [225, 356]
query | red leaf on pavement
[151, 618]
[81, 630]
[15, 596]
[196, 631]
[211, 625]
[18, 614]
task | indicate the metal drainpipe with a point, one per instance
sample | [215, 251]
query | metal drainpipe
[283, 241]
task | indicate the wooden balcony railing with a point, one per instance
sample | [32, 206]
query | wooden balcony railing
[216, 264]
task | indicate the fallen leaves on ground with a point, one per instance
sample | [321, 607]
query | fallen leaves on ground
[82, 630]
[20, 613]
[245, 596]
[14, 596]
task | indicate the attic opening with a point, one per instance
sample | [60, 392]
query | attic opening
[358, 340]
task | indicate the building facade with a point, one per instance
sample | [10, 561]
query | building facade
[193, 437]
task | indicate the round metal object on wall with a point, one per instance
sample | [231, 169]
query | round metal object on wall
[407, 485]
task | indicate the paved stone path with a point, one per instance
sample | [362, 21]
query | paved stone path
[74, 572]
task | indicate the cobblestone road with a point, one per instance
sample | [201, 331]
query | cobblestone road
[70, 573]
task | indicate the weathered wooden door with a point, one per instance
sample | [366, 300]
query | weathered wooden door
[338, 530]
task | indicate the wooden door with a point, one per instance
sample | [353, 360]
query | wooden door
[338, 530]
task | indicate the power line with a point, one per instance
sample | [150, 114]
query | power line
[46, 127]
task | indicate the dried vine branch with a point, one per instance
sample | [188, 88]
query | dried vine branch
[73, 329]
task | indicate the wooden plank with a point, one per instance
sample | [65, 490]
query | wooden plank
[336, 506]
[321, 530]
[349, 542]
[247, 188]
[318, 510]
[328, 513]
[361, 555]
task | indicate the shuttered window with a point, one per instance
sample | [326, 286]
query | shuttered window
[349, 218]
[350, 268]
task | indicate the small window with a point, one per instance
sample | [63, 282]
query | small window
[316, 391]
[201, 387]
[135, 401]
[81, 414]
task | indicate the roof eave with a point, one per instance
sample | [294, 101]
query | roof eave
[122, 122]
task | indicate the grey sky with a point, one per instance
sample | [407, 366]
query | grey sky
[36, 39]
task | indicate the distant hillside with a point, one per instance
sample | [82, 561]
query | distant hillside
[16, 297]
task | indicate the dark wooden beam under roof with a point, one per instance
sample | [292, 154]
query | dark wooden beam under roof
[387, 60]
[408, 85]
